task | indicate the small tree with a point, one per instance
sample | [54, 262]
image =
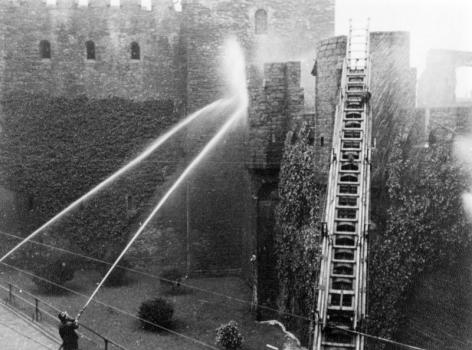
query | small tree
[228, 336]
[156, 312]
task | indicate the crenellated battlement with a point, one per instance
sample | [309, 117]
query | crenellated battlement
[123, 5]
[149, 49]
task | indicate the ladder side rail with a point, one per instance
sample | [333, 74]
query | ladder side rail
[361, 223]
[359, 268]
[323, 293]
[367, 195]
[355, 63]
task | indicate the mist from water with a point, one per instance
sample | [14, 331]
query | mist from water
[234, 67]
[433, 24]
[463, 154]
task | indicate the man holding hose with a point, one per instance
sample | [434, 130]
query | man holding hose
[70, 339]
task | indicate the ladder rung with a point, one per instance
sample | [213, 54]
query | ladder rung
[342, 261]
[338, 194]
[350, 109]
[340, 346]
[342, 276]
[345, 220]
[340, 308]
[344, 233]
[341, 291]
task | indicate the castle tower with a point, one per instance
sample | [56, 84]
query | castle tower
[270, 31]
[97, 48]
[393, 85]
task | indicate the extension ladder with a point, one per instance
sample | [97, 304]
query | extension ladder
[341, 308]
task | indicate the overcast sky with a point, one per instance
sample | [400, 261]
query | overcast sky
[432, 23]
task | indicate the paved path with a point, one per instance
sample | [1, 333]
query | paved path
[18, 334]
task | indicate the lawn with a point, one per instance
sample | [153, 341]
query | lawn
[197, 314]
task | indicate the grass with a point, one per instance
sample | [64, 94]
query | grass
[197, 314]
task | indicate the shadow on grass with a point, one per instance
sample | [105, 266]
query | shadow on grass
[168, 289]
[51, 290]
[168, 329]
[126, 281]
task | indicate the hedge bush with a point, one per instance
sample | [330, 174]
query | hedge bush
[156, 312]
[229, 336]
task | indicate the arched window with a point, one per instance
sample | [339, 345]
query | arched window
[115, 3]
[90, 47]
[261, 21]
[135, 53]
[130, 204]
[45, 49]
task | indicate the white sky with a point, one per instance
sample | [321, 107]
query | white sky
[443, 24]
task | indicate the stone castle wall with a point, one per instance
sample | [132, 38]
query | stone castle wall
[393, 85]
[179, 50]
[275, 107]
[328, 70]
[437, 84]
[68, 72]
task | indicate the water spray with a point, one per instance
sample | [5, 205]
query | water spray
[240, 112]
[234, 70]
[217, 105]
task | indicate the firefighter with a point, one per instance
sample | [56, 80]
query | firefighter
[70, 338]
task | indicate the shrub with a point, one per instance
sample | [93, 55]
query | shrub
[59, 271]
[154, 312]
[171, 278]
[228, 336]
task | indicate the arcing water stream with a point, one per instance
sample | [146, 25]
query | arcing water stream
[234, 66]
[234, 70]
[216, 106]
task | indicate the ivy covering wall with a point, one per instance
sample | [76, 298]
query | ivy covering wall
[420, 227]
[425, 228]
[53, 150]
[298, 237]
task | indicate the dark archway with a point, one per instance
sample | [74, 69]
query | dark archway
[90, 47]
[135, 51]
[45, 49]
[267, 285]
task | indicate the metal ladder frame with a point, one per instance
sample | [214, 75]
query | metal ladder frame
[359, 72]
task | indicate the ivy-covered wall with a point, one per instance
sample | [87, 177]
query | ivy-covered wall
[424, 229]
[53, 150]
[420, 227]
[298, 239]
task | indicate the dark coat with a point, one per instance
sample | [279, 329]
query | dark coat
[70, 339]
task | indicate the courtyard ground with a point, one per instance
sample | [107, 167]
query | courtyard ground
[197, 313]
[18, 333]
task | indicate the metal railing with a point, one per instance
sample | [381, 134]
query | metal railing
[41, 311]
